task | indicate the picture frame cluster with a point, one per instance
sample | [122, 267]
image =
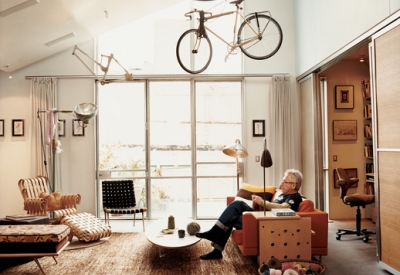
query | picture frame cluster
[18, 128]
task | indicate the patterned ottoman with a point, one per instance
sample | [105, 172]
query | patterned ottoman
[86, 227]
[33, 238]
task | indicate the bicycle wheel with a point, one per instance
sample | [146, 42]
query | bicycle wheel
[193, 53]
[267, 44]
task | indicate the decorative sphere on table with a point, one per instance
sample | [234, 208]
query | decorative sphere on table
[192, 228]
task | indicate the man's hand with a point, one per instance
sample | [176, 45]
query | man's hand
[257, 199]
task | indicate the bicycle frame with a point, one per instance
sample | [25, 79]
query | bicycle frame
[128, 76]
[234, 45]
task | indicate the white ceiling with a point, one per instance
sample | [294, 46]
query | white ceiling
[23, 34]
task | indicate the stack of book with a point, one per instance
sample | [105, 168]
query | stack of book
[283, 212]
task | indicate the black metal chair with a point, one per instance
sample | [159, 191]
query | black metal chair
[119, 198]
[358, 200]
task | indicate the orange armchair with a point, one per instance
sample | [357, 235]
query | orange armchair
[247, 237]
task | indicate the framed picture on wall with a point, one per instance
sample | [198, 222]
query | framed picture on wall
[352, 172]
[344, 97]
[18, 127]
[345, 130]
[1, 127]
[77, 128]
[258, 128]
[61, 127]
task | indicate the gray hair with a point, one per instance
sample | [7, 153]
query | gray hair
[296, 175]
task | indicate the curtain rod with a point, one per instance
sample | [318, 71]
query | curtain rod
[115, 78]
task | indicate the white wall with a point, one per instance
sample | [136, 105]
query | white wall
[257, 89]
[323, 27]
[78, 156]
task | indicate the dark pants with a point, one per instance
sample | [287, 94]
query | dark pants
[229, 219]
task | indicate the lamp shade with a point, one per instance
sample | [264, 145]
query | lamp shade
[85, 112]
[235, 150]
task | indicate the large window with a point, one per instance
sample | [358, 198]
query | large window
[168, 136]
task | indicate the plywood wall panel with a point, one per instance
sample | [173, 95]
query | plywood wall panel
[387, 56]
[389, 220]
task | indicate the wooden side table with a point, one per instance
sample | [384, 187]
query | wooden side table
[283, 237]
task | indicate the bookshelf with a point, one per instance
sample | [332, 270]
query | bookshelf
[367, 115]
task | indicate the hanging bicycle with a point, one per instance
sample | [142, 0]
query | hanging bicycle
[258, 37]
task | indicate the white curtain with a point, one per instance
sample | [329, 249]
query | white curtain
[43, 98]
[283, 136]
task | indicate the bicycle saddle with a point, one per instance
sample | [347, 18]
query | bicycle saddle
[237, 2]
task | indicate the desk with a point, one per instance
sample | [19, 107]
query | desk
[283, 237]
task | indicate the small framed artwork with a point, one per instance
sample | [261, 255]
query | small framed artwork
[258, 128]
[351, 172]
[18, 127]
[1, 127]
[345, 130]
[77, 128]
[344, 97]
[61, 127]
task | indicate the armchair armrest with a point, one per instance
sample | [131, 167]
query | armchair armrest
[250, 230]
[36, 207]
[70, 200]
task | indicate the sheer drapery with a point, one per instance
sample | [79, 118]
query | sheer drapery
[283, 137]
[43, 98]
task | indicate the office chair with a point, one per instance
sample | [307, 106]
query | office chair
[358, 200]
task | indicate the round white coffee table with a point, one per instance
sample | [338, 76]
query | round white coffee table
[170, 241]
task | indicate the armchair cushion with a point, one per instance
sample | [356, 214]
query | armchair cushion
[53, 200]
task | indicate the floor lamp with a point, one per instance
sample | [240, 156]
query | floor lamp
[236, 150]
[83, 112]
[266, 161]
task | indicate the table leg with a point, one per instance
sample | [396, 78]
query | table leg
[38, 264]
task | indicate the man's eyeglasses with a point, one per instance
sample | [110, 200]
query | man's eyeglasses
[287, 181]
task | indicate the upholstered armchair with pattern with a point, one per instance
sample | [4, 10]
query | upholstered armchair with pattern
[38, 201]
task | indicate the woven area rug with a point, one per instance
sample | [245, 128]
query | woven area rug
[132, 253]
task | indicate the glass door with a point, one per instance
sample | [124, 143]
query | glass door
[122, 137]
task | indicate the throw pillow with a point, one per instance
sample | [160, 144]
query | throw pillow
[53, 200]
[246, 190]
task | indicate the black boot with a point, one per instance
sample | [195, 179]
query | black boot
[211, 234]
[216, 235]
[213, 255]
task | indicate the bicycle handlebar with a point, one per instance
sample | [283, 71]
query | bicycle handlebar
[188, 14]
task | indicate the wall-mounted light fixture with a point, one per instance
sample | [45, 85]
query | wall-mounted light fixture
[8, 71]
[362, 59]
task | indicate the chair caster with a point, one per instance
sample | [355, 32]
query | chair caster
[338, 237]
[365, 239]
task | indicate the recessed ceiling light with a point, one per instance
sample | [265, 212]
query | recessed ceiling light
[18, 7]
[52, 42]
